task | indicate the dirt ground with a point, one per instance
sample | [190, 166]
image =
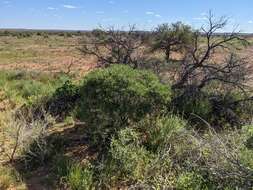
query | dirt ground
[53, 54]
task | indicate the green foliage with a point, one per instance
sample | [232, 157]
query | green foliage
[27, 87]
[74, 175]
[172, 38]
[80, 178]
[126, 161]
[190, 105]
[137, 154]
[129, 155]
[228, 110]
[61, 165]
[191, 181]
[64, 100]
[112, 98]
[160, 130]
[9, 177]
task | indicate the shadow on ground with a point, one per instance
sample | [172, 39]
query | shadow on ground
[75, 146]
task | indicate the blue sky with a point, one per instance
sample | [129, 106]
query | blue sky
[146, 14]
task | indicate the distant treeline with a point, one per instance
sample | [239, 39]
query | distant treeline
[44, 33]
[71, 33]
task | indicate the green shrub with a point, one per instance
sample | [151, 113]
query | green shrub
[61, 166]
[139, 155]
[191, 181]
[80, 178]
[160, 130]
[127, 161]
[220, 111]
[64, 100]
[112, 98]
[129, 155]
[190, 105]
[73, 175]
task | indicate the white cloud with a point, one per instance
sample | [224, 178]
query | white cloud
[150, 13]
[7, 3]
[69, 6]
[158, 16]
[250, 21]
[51, 8]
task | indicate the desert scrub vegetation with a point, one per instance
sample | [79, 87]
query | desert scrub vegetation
[112, 98]
[138, 130]
[9, 178]
[73, 175]
[24, 87]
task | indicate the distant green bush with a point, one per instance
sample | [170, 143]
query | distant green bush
[112, 98]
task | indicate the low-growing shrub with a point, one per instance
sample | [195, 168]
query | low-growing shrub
[64, 100]
[191, 181]
[160, 130]
[163, 153]
[111, 98]
[80, 178]
[138, 156]
[59, 104]
[73, 175]
[9, 178]
[228, 110]
[190, 104]
[43, 150]
[127, 161]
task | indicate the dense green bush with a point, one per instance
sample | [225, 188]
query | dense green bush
[190, 104]
[64, 100]
[58, 104]
[161, 153]
[228, 110]
[112, 98]
[137, 155]
[128, 154]
[159, 131]
[127, 161]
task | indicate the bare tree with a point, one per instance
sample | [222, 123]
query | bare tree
[113, 47]
[199, 68]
